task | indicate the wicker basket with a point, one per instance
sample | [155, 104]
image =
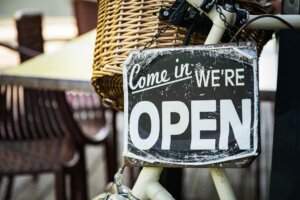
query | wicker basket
[125, 25]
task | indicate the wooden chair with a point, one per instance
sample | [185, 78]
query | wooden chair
[86, 12]
[38, 132]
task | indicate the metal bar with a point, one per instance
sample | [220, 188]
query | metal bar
[156, 191]
[147, 176]
[215, 34]
[268, 23]
[222, 184]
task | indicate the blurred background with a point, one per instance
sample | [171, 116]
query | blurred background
[59, 24]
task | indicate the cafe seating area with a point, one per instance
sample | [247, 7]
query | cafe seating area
[42, 131]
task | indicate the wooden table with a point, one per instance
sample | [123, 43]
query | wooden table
[69, 68]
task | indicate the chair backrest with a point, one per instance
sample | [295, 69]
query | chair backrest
[86, 15]
[30, 114]
[29, 29]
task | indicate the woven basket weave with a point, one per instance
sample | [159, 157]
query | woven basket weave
[125, 25]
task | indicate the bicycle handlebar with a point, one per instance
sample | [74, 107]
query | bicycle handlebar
[268, 23]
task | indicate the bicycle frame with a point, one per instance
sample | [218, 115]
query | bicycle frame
[147, 186]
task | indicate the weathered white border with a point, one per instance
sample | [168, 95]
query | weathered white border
[125, 89]
[204, 47]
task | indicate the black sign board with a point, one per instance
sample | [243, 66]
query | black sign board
[192, 106]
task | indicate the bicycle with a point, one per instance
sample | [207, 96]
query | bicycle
[147, 186]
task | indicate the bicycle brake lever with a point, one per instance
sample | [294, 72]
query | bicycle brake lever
[178, 14]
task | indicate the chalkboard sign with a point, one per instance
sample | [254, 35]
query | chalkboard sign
[192, 106]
